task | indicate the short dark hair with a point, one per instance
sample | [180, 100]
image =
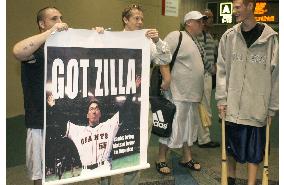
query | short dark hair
[41, 12]
[127, 11]
[101, 107]
[94, 101]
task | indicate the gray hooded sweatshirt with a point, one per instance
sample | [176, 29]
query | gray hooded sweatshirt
[247, 78]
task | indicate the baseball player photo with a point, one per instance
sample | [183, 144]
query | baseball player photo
[93, 110]
[93, 140]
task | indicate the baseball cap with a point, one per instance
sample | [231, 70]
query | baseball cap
[195, 15]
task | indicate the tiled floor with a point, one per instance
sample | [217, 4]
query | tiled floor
[210, 160]
[210, 173]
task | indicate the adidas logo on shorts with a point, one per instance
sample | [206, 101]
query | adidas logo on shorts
[158, 120]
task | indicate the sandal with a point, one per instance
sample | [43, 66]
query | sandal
[160, 165]
[190, 164]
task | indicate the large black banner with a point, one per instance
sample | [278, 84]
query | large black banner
[93, 111]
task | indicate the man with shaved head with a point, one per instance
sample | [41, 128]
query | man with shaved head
[30, 52]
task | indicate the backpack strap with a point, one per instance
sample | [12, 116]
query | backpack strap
[176, 51]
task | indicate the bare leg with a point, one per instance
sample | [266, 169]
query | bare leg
[187, 155]
[232, 167]
[231, 170]
[252, 171]
[37, 182]
[163, 149]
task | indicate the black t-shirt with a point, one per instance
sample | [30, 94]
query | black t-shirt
[252, 35]
[32, 76]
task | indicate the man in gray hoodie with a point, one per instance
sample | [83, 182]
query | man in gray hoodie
[247, 87]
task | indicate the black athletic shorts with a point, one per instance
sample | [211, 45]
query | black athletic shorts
[245, 143]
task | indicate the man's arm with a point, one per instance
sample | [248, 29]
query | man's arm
[160, 53]
[24, 49]
[221, 86]
[274, 95]
[55, 117]
[166, 75]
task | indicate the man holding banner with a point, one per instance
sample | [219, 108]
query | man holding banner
[30, 52]
[132, 19]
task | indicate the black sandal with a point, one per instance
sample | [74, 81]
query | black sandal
[160, 165]
[190, 164]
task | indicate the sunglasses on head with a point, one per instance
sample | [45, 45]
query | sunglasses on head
[129, 8]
